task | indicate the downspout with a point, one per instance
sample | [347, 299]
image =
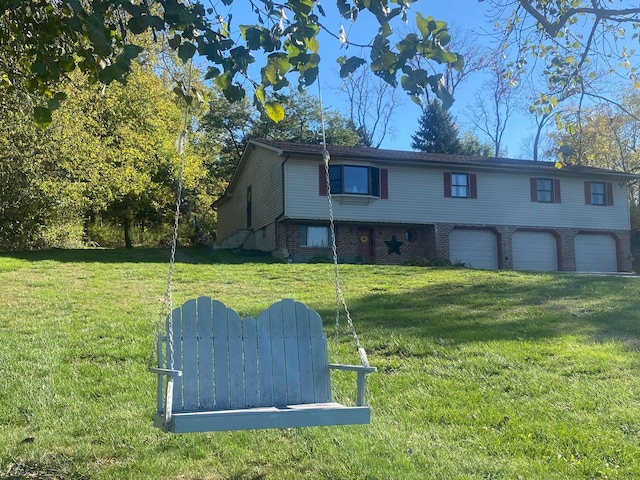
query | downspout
[282, 214]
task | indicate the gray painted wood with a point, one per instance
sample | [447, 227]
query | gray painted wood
[241, 374]
[205, 352]
[190, 356]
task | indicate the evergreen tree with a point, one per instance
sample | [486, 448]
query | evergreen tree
[437, 132]
[471, 145]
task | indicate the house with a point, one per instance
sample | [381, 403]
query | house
[392, 206]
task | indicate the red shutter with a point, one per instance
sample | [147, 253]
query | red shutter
[533, 182]
[587, 193]
[610, 194]
[556, 191]
[447, 184]
[322, 181]
[473, 185]
[384, 183]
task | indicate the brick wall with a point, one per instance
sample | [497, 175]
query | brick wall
[417, 242]
[432, 241]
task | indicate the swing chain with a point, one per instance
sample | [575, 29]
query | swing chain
[180, 145]
[340, 300]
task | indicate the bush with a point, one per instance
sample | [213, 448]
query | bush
[320, 259]
[418, 261]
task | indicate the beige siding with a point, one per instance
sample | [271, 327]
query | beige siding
[416, 195]
[264, 174]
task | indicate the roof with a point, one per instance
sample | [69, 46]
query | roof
[423, 158]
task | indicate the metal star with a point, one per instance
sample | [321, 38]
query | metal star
[394, 245]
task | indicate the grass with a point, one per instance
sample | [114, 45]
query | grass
[482, 375]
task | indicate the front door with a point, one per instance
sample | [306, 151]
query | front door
[365, 245]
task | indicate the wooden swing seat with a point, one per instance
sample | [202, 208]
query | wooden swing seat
[232, 373]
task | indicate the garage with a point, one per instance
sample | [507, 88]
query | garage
[474, 248]
[534, 251]
[595, 253]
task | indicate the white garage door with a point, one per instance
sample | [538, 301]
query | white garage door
[474, 248]
[595, 253]
[534, 251]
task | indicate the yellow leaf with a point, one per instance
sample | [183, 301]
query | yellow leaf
[275, 111]
[559, 165]
[260, 94]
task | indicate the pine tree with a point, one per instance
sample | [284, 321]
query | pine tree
[437, 132]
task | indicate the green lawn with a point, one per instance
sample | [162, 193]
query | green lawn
[482, 375]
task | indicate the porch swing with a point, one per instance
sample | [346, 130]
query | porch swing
[217, 371]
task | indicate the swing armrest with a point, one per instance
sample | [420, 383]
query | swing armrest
[362, 372]
[166, 371]
[353, 368]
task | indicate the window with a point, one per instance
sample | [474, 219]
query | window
[314, 236]
[460, 185]
[545, 190]
[356, 180]
[598, 193]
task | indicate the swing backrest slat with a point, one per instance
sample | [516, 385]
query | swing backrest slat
[227, 362]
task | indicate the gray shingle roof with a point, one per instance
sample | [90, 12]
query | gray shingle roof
[407, 157]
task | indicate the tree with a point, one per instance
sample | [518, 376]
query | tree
[495, 102]
[471, 145]
[371, 104]
[27, 207]
[437, 132]
[608, 137]
[99, 38]
[230, 125]
[571, 43]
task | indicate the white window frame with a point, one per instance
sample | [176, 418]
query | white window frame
[459, 190]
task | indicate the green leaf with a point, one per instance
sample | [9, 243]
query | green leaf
[175, 41]
[458, 64]
[131, 51]
[42, 116]
[212, 72]
[137, 25]
[347, 67]
[423, 24]
[274, 111]
[186, 51]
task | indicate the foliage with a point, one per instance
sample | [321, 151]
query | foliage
[34, 206]
[538, 370]
[437, 132]
[472, 146]
[108, 159]
[98, 37]
[604, 136]
[227, 126]
[573, 43]
[121, 157]
[320, 258]
[419, 261]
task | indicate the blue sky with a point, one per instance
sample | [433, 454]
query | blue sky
[461, 15]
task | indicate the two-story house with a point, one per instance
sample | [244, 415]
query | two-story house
[390, 206]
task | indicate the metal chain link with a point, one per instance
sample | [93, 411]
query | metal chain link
[340, 300]
[167, 303]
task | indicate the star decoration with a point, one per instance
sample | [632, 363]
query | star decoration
[394, 245]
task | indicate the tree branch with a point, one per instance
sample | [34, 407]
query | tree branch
[552, 29]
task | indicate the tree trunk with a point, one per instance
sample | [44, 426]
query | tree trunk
[127, 233]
